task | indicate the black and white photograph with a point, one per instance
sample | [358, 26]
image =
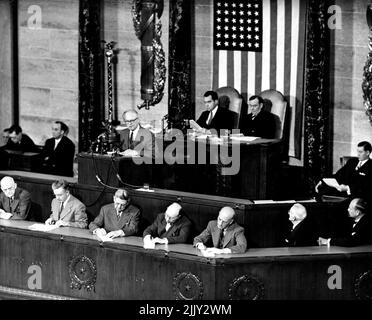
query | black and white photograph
[186, 155]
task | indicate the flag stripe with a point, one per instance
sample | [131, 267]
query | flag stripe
[216, 68]
[300, 78]
[230, 68]
[237, 69]
[273, 41]
[251, 73]
[222, 78]
[266, 44]
[288, 66]
[280, 47]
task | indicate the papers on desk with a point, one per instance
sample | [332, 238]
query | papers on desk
[104, 238]
[207, 253]
[42, 227]
[332, 182]
[244, 138]
[5, 215]
[148, 243]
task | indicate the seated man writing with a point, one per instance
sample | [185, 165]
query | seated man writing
[118, 219]
[226, 235]
[67, 211]
[169, 227]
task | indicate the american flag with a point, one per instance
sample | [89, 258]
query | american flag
[272, 56]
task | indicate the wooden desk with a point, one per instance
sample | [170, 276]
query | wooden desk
[27, 161]
[257, 177]
[73, 264]
[265, 222]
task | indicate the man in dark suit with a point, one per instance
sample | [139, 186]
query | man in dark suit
[258, 123]
[136, 140]
[58, 152]
[215, 117]
[302, 232]
[15, 202]
[169, 227]
[118, 219]
[354, 178]
[226, 235]
[19, 141]
[67, 211]
[360, 232]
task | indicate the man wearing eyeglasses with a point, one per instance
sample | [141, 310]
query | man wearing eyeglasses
[135, 140]
[169, 227]
[118, 219]
[15, 203]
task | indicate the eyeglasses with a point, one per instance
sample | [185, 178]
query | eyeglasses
[130, 121]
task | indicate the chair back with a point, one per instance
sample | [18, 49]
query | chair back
[277, 105]
[230, 98]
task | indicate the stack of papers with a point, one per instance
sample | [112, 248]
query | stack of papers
[104, 238]
[244, 138]
[42, 227]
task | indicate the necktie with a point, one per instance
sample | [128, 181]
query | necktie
[118, 214]
[359, 165]
[167, 227]
[131, 140]
[60, 210]
[11, 199]
[220, 241]
[209, 120]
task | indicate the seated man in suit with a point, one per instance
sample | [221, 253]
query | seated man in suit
[5, 137]
[59, 151]
[258, 123]
[67, 211]
[226, 235]
[118, 219]
[15, 202]
[19, 141]
[215, 117]
[360, 232]
[303, 232]
[354, 178]
[136, 140]
[169, 227]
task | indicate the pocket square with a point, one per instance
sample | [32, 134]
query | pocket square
[353, 234]
[362, 173]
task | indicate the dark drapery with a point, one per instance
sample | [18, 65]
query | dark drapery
[316, 93]
[91, 109]
[180, 90]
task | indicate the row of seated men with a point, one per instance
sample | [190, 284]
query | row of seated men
[56, 156]
[122, 218]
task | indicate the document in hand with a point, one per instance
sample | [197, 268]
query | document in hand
[195, 126]
[42, 227]
[332, 182]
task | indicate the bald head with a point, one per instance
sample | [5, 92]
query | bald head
[173, 212]
[8, 186]
[225, 217]
[297, 212]
[357, 207]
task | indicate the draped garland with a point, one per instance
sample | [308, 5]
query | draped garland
[90, 75]
[316, 103]
[367, 72]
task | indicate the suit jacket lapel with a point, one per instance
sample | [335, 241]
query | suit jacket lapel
[215, 236]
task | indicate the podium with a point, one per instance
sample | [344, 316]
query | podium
[257, 177]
